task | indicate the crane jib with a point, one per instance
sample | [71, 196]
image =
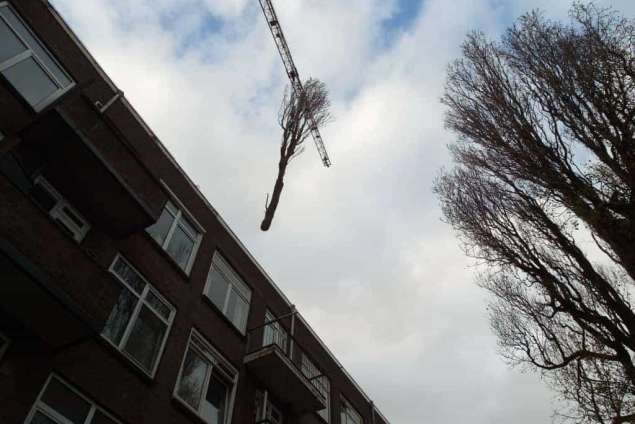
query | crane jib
[292, 72]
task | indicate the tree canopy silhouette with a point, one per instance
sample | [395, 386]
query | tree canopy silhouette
[298, 112]
[542, 194]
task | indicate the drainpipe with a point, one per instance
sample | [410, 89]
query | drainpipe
[265, 400]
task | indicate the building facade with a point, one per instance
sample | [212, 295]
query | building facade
[124, 297]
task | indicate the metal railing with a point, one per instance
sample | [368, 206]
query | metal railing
[272, 334]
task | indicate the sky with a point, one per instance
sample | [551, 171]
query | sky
[360, 247]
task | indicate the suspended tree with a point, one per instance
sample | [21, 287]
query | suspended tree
[298, 112]
[545, 169]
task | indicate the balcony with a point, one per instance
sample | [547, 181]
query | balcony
[276, 359]
[30, 300]
[94, 171]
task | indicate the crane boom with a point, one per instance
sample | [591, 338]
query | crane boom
[292, 72]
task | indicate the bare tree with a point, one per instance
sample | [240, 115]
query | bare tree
[546, 155]
[297, 113]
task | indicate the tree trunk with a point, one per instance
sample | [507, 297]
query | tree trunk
[275, 198]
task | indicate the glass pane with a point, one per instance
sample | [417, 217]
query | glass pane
[10, 45]
[213, 408]
[221, 265]
[324, 413]
[129, 275]
[180, 247]
[159, 230]
[30, 80]
[158, 305]
[73, 217]
[67, 228]
[145, 338]
[187, 227]
[43, 197]
[100, 418]
[120, 316]
[217, 288]
[193, 376]
[40, 418]
[237, 310]
[37, 48]
[170, 207]
[66, 402]
[274, 415]
[349, 415]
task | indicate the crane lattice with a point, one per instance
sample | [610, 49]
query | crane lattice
[292, 72]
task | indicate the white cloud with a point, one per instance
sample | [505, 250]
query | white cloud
[359, 247]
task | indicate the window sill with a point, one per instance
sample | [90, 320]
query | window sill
[187, 409]
[220, 313]
[167, 257]
[128, 362]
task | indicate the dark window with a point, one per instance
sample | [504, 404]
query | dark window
[204, 384]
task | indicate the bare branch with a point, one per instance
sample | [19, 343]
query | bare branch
[546, 149]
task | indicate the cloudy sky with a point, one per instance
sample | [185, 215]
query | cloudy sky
[359, 247]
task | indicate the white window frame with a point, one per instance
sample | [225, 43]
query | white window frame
[6, 342]
[265, 407]
[57, 211]
[30, 53]
[51, 413]
[326, 411]
[349, 406]
[236, 284]
[227, 371]
[141, 301]
[179, 212]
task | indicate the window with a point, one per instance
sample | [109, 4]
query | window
[27, 64]
[176, 235]
[320, 382]
[324, 387]
[228, 292]
[348, 414]
[140, 320]
[207, 382]
[266, 411]
[4, 344]
[59, 209]
[59, 403]
[274, 333]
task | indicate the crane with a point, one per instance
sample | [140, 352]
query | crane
[292, 72]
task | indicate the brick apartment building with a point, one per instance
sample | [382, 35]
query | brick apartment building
[124, 297]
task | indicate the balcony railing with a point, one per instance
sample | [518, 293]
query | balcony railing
[285, 368]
